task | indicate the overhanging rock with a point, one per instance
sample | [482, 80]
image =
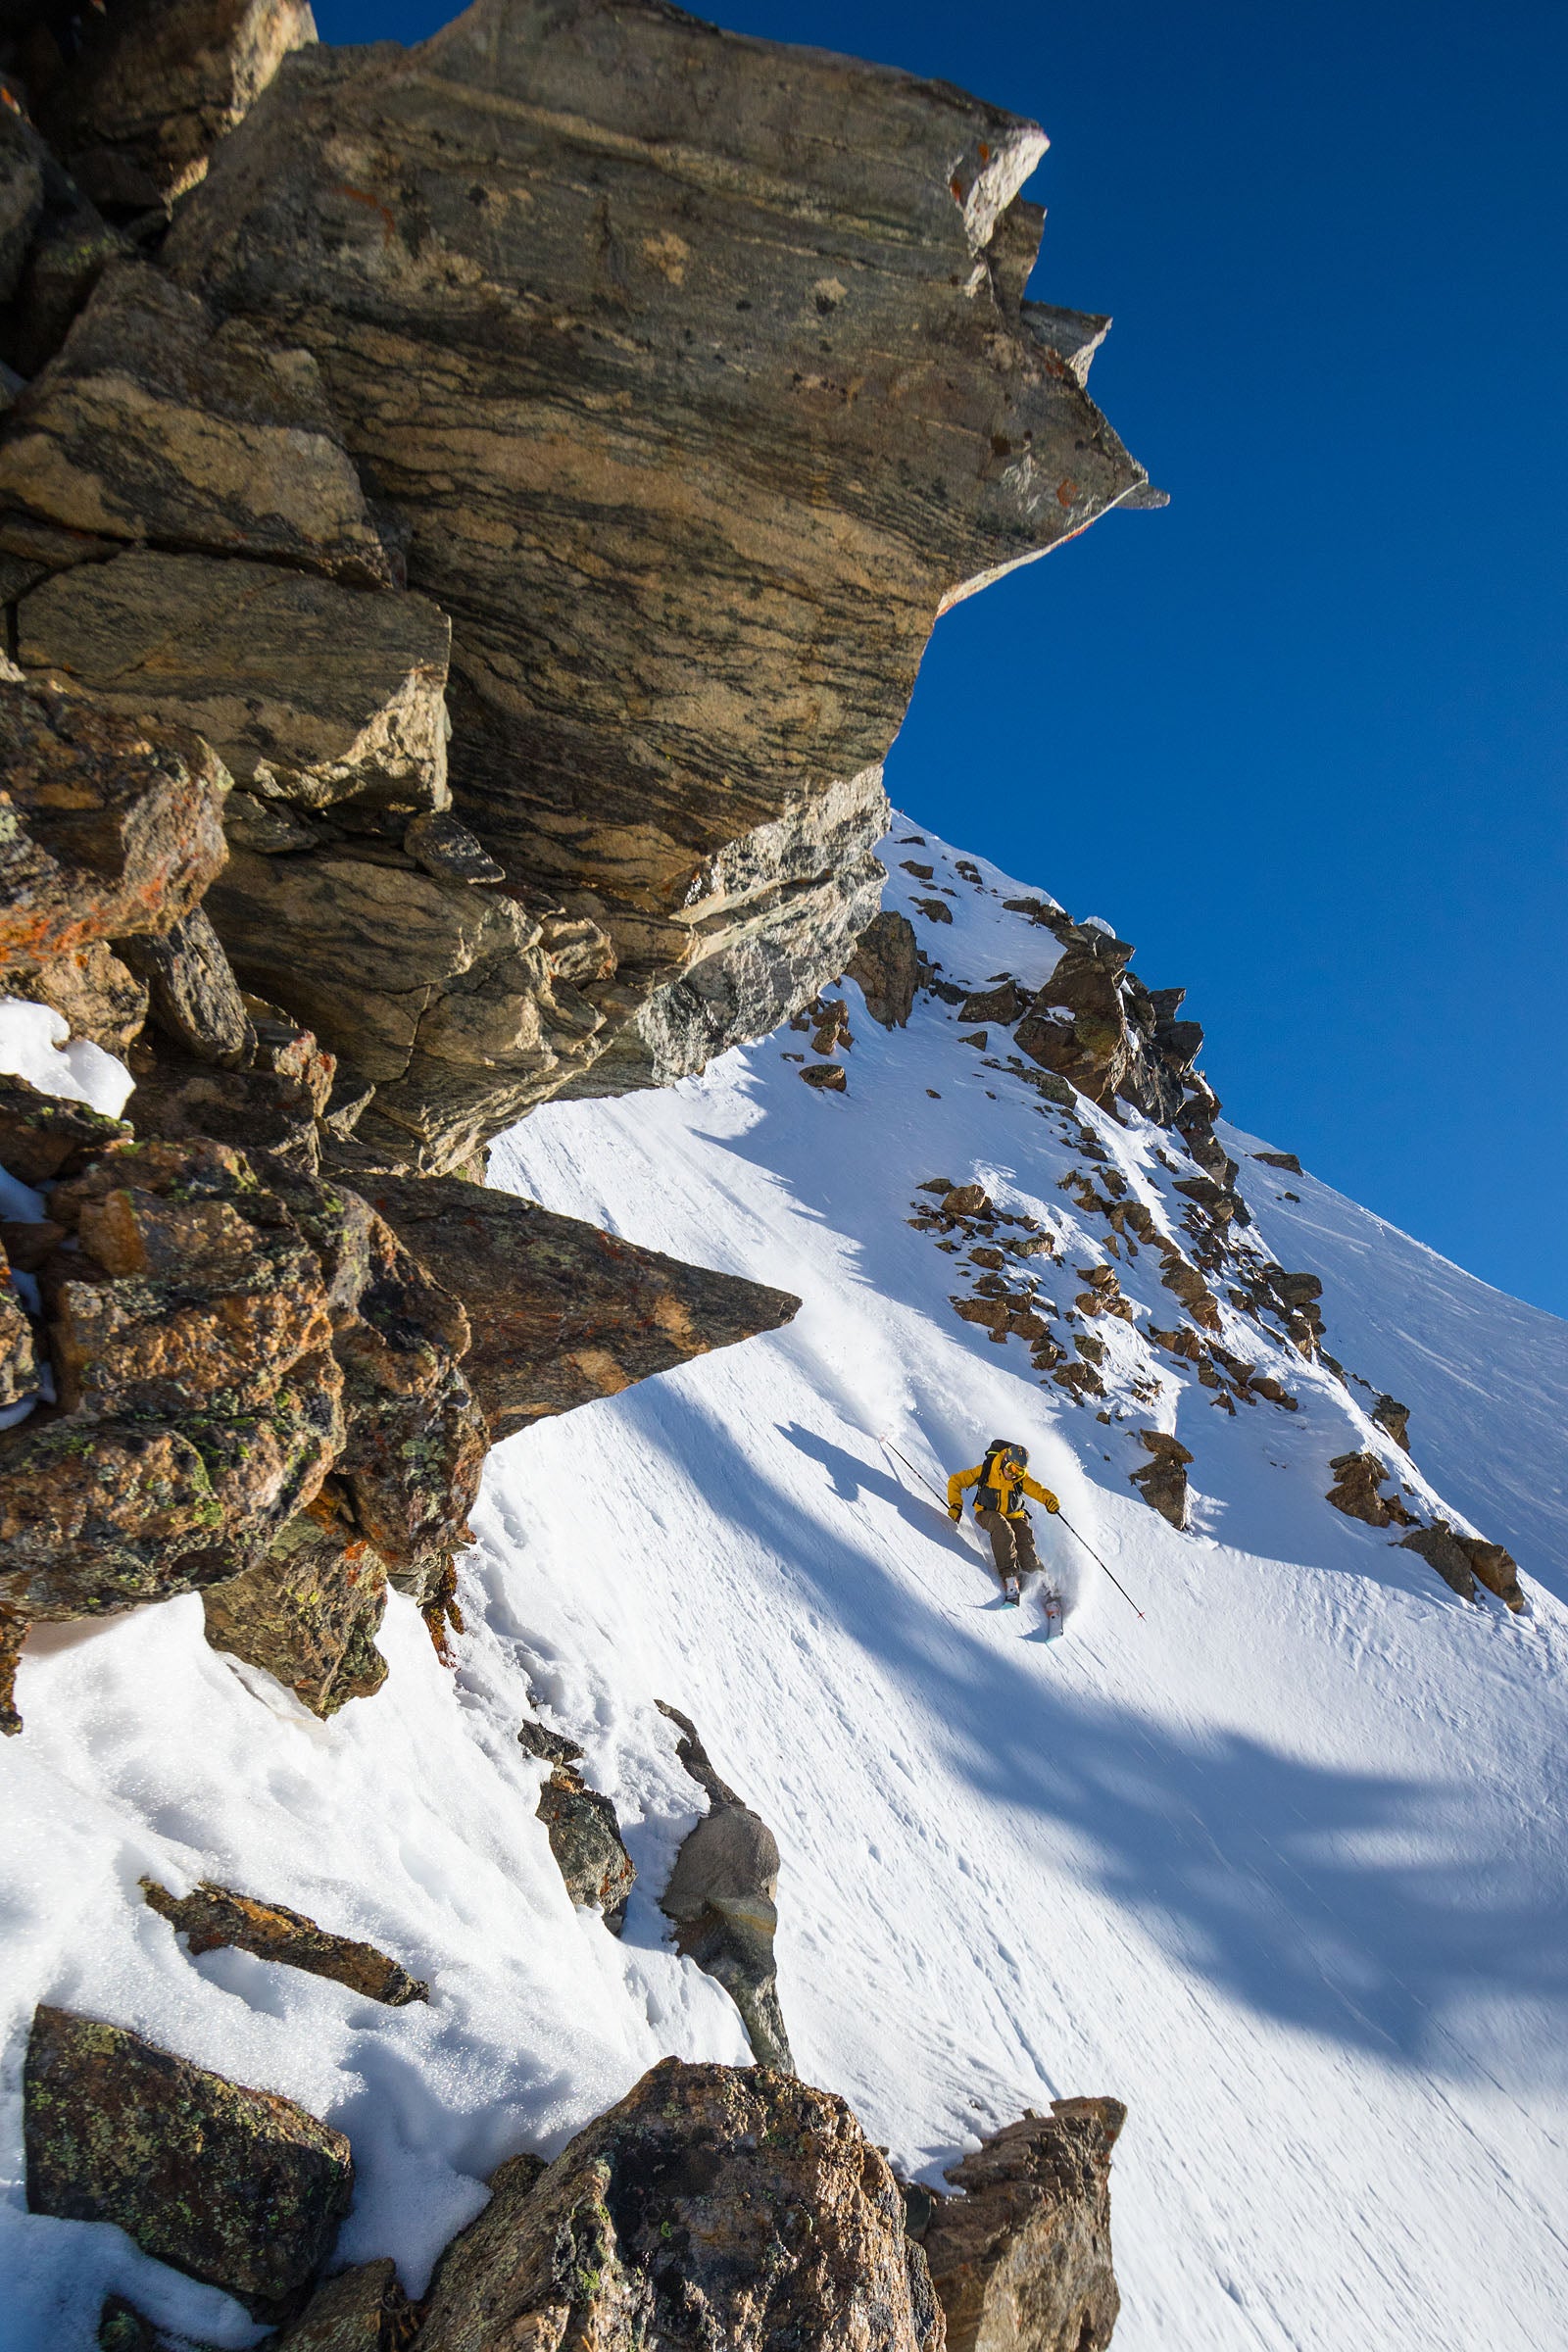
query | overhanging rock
[562, 1312]
[696, 373]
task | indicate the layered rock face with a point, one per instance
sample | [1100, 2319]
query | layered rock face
[713, 2206]
[697, 378]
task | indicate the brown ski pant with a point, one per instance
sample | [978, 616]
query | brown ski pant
[1013, 1544]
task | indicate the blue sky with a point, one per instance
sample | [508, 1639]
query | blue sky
[1301, 735]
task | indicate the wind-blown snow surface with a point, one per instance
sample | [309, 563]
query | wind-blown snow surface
[1281, 1864]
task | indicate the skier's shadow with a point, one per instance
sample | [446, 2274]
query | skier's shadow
[854, 1480]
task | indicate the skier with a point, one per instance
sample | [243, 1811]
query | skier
[1001, 1482]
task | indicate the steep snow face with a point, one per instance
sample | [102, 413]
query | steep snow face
[1277, 1861]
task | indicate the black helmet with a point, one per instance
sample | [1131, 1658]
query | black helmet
[1019, 1454]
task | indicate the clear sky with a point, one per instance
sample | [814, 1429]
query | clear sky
[1301, 735]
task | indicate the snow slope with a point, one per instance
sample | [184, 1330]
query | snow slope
[1281, 1864]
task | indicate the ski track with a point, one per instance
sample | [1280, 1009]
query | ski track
[1280, 1865]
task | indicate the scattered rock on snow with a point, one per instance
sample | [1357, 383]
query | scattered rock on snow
[241, 2189]
[1389, 1415]
[1440, 1549]
[828, 1077]
[1021, 2258]
[721, 1896]
[1163, 1482]
[212, 1918]
[886, 964]
[1357, 1478]
[586, 1840]
[1279, 1160]
[714, 2205]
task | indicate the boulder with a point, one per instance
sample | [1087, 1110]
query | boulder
[586, 1840]
[714, 2205]
[191, 1332]
[1021, 2258]
[559, 1313]
[881, 425]
[43, 1136]
[1180, 1276]
[886, 965]
[828, 1077]
[111, 828]
[1163, 1482]
[241, 2189]
[214, 1918]
[1003, 1005]
[1279, 1160]
[158, 423]
[155, 84]
[721, 1898]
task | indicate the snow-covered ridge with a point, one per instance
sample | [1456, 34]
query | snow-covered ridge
[1272, 1864]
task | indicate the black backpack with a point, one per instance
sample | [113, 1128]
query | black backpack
[1011, 1497]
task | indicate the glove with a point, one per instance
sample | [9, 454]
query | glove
[1052, 1506]
[954, 1512]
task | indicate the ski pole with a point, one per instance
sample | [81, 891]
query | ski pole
[1099, 1563]
[940, 1500]
[910, 1466]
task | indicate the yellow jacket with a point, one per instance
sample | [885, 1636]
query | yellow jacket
[998, 1494]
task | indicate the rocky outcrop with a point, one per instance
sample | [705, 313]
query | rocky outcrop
[1356, 1492]
[1021, 2258]
[693, 770]
[1442, 1550]
[1163, 1482]
[1393, 1417]
[1464, 1560]
[886, 966]
[559, 1313]
[259, 1389]
[214, 1918]
[241, 2189]
[721, 1898]
[714, 2206]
